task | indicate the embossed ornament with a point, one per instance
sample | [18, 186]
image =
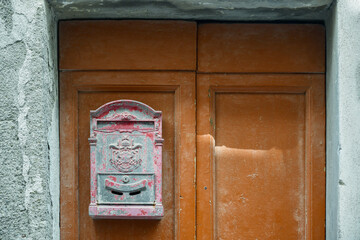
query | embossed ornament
[125, 155]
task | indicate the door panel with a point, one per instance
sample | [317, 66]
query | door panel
[260, 156]
[128, 45]
[171, 93]
[259, 167]
[261, 48]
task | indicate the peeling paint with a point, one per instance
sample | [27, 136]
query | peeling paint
[126, 161]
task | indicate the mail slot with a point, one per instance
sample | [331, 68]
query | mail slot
[126, 161]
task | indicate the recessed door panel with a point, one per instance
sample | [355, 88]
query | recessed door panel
[260, 156]
[259, 165]
[174, 95]
[261, 48]
[127, 45]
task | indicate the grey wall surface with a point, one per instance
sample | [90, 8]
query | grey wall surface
[244, 10]
[28, 119]
[332, 127]
[29, 146]
[343, 95]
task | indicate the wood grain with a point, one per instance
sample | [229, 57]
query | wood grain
[127, 45]
[261, 156]
[261, 48]
[171, 92]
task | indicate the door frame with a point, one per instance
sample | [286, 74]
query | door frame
[85, 90]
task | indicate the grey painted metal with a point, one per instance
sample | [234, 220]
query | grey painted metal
[133, 192]
[125, 161]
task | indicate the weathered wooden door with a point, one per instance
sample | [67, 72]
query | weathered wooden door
[142, 61]
[243, 123]
[260, 132]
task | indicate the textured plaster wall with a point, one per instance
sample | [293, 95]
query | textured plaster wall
[29, 153]
[332, 127]
[344, 124]
[28, 121]
[237, 10]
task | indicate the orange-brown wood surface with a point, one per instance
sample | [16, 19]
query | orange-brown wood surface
[261, 48]
[174, 95]
[243, 123]
[260, 155]
[129, 45]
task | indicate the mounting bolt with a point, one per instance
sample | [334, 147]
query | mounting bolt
[125, 179]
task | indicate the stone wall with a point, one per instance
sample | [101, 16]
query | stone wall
[29, 150]
[343, 140]
[219, 10]
[332, 127]
[28, 103]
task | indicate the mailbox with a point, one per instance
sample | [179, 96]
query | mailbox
[126, 161]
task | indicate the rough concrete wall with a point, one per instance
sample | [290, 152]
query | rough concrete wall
[29, 154]
[192, 9]
[28, 103]
[332, 127]
[345, 76]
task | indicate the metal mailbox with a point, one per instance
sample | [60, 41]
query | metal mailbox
[126, 161]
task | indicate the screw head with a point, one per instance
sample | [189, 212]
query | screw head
[126, 179]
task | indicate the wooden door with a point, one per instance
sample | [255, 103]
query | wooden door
[246, 99]
[260, 132]
[172, 92]
[265, 177]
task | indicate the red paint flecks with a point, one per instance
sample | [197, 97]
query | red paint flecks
[109, 123]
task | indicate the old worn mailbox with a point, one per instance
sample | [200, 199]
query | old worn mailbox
[126, 161]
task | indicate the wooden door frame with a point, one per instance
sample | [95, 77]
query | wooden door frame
[72, 82]
[72, 105]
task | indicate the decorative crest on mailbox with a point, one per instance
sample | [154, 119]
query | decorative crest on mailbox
[126, 161]
[125, 155]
